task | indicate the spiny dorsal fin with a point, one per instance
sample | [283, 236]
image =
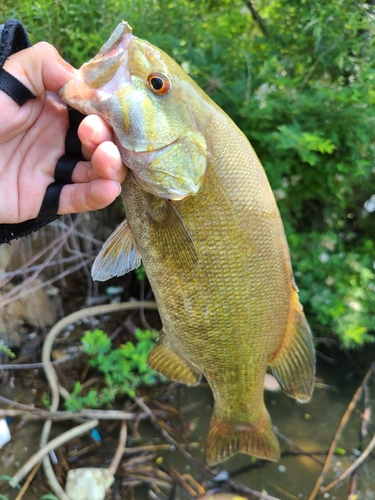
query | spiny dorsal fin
[173, 238]
[164, 360]
[294, 364]
[118, 256]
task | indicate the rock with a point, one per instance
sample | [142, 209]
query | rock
[6, 254]
[34, 306]
[88, 483]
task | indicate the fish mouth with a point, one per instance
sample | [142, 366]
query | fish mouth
[97, 72]
[97, 79]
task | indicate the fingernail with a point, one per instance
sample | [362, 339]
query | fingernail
[119, 189]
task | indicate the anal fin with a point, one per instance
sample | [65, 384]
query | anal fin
[164, 360]
[294, 364]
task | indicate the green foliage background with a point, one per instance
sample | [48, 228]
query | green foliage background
[302, 90]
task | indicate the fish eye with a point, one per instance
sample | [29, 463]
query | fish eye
[159, 84]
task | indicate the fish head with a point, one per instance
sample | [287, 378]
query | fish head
[148, 100]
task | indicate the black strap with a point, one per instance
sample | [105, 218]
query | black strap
[13, 39]
[14, 88]
[63, 170]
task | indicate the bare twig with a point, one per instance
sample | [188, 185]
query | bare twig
[257, 18]
[157, 447]
[55, 443]
[350, 469]
[167, 437]
[239, 488]
[35, 366]
[28, 481]
[59, 416]
[339, 431]
[18, 405]
[361, 434]
[120, 450]
[293, 445]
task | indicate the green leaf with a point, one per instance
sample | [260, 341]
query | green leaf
[340, 451]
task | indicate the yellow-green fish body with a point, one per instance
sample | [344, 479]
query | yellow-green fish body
[202, 216]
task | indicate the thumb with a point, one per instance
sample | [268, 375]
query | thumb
[40, 68]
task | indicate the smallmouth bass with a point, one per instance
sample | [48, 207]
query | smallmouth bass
[201, 215]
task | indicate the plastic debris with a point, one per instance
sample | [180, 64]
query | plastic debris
[222, 476]
[53, 457]
[5, 436]
[94, 434]
[88, 484]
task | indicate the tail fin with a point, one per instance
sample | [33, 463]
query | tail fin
[224, 440]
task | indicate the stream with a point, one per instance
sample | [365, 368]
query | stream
[310, 427]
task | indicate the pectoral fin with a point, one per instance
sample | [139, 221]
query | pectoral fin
[172, 237]
[294, 364]
[118, 256]
[165, 361]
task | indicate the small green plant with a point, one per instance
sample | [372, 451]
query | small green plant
[124, 368]
[5, 350]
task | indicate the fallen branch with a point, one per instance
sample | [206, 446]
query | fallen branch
[34, 366]
[71, 415]
[339, 431]
[167, 437]
[120, 450]
[350, 469]
[239, 488]
[257, 18]
[55, 443]
[363, 431]
[157, 447]
[290, 443]
[28, 481]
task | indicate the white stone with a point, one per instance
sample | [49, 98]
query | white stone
[88, 484]
[5, 436]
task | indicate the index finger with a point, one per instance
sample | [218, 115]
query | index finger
[92, 131]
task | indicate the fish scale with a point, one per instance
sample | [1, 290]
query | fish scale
[203, 218]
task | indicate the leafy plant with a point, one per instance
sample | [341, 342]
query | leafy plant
[124, 368]
[5, 350]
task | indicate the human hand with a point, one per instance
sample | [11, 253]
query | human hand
[32, 139]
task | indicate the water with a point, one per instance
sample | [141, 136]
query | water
[310, 427]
